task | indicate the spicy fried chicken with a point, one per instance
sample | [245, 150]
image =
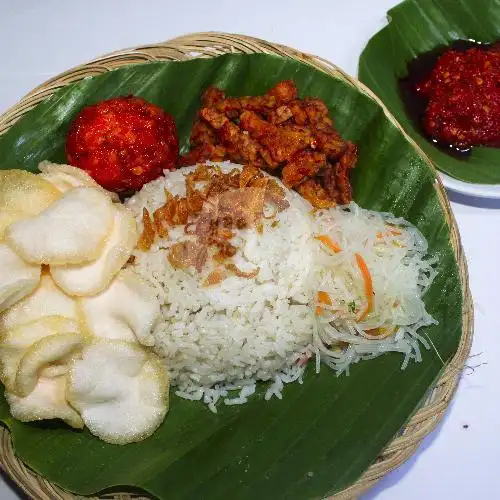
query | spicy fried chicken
[289, 137]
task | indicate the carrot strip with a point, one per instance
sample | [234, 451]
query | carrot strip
[392, 231]
[322, 298]
[327, 241]
[381, 332]
[367, 278]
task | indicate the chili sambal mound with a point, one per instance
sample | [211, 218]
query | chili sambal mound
[291, 138]
[456, 95]
[123, 143]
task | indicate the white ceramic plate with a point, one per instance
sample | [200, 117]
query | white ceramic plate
[491, 191]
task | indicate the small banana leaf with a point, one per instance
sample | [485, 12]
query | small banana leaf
[325, 432]
[416, 27]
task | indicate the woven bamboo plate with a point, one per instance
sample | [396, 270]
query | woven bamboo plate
[210, 45]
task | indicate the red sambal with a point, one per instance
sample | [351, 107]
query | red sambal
[123, 143]
[463, 98]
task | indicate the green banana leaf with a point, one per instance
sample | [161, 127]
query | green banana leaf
[324, 433]
[416, 27]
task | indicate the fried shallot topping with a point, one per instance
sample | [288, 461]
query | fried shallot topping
[148, 232]
[292, 138]
[216, 277]
[215, 203]
[241, 274]
[184, 254]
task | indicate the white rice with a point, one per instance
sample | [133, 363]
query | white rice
[217, 342]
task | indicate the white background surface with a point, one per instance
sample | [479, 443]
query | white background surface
[42, 38]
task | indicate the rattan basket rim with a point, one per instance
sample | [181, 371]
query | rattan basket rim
[210, 44]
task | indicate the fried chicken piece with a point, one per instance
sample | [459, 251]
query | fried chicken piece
[216, 99]
[281, 93]
[313, 192]
[266, 160]
[242, 146]
[347, 162]
[212, 96]
[290, 140]
[317, 113]
[284, 91]
[275, 131]
[231, 107]
[308, 112]
[350, 157]
[202, 133]
[280, 115]
[302, 165]
[205, 144]
[202, 153]
[330, 143]
[330, 181]
[255, 125]
[292, 111]
[214, 118]
[336, 177]
[282, 142]
[299, 115]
